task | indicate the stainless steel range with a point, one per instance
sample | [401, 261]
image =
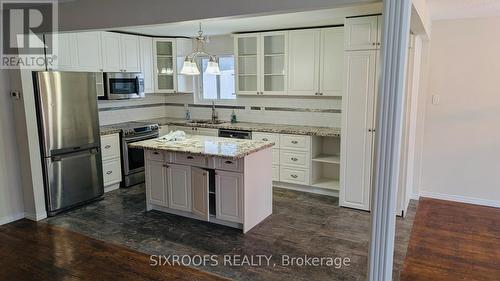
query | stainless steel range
[133, 158]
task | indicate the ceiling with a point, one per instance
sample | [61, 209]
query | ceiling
[257, 23]
[456, 9]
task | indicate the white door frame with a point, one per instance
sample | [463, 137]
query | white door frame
[390, 110]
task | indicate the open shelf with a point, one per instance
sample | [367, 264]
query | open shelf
[326, 183]
[326, 158]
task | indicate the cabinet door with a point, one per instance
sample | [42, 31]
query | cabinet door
[130, 53]
[64, 52]
[357, 138]
[303, 58]
[361, 33]
[111, 54]
[229, 196]
[88, 51]
[199, 183]
[332, 61]
[179, 187]
[247, 64]
[273, 77]
[164, 66]
[156, 183]
[146, 48]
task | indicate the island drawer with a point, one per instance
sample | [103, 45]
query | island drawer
[190, 159]
[295, 142]
[155, 155]
[294, 175]
[229, 164]
[267, 137]
[294, 158]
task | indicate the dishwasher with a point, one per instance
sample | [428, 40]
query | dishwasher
[235, 134]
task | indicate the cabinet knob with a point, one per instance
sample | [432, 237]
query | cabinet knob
[109, 172]
[294, 176]
[165, 165]
[294, 159]
[156, 153]
[190, 157]
[107, 146]
[374, 44]
[295, 142]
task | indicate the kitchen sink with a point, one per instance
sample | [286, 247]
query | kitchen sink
[206, 121]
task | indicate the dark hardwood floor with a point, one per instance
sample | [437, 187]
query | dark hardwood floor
[453, 241]
[39, 251]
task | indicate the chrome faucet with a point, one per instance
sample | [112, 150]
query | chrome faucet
[214, 113]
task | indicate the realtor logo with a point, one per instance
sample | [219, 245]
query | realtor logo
[24, 24]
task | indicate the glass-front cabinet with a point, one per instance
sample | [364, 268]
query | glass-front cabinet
[165, 66]
[261, 63]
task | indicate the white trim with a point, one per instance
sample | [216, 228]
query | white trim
[11, 218]
[462, 199]
[36, 217]
[306, 188]
[415, 196]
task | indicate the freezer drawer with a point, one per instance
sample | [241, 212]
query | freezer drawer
[72, 179]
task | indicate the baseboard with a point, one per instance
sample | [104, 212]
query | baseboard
[462, 199]
[36, 217]
[415, 196]
[11, 218]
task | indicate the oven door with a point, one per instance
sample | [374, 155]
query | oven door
[124, 86]
[133, 158]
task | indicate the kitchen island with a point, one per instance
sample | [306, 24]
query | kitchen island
[219, 180]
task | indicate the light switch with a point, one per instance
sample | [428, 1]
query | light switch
[435, 99]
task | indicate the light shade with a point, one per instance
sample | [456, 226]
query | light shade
[212, 67]
[189, 67]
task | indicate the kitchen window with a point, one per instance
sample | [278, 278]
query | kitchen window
[218, 87]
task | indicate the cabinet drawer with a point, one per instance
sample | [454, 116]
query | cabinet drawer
[190, 159]
[155, 155]
[110, 146]
[294, 175]
[276, 173]
[294, 158]
[267, 137]
[276, 156]
[295, 142]
[112, 171]
[229, 164]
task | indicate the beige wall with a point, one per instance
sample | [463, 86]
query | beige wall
[11, 198]
[461, 144]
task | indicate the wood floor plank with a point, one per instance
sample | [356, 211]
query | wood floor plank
[38, 251]
[453, 241]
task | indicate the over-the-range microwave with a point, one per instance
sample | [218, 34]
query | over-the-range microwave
[123, 85]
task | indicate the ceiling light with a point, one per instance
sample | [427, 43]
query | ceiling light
[190, 68]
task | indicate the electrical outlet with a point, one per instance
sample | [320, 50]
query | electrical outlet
[435, 99]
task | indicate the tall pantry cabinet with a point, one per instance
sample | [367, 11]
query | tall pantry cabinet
[362, 43]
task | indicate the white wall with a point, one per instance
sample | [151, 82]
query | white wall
[461, 148]
[11, 197]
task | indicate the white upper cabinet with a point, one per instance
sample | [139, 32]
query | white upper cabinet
[78, 52]
[248, 63]
[111, 52]
[130, 52]
[273, 74]
[165, 66]
[361, 33]
[146, 57]
[332, 62]
[120, 52]
[304, 60]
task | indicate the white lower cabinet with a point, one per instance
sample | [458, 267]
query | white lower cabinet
[179, 187]
[111, 162]
[199, 191]
[229, 196]
[156, 181]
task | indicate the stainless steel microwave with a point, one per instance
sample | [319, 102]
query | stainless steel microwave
[123, 85]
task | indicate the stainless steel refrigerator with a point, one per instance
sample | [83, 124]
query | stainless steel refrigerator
[68, 125]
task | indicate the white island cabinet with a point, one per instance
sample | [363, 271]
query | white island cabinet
[220, 180]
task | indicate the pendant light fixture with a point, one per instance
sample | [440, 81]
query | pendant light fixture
[191, 68]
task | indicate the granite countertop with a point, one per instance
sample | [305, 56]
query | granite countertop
[255, 127]
[109, 130]
[205, 145]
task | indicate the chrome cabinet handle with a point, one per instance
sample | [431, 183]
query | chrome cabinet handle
[156, 153]
[295, 142]
[190, 157]
[107, 146]
[294, 159]
[229, 162]
[294, 176]
[109, 172]
[265, 139]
